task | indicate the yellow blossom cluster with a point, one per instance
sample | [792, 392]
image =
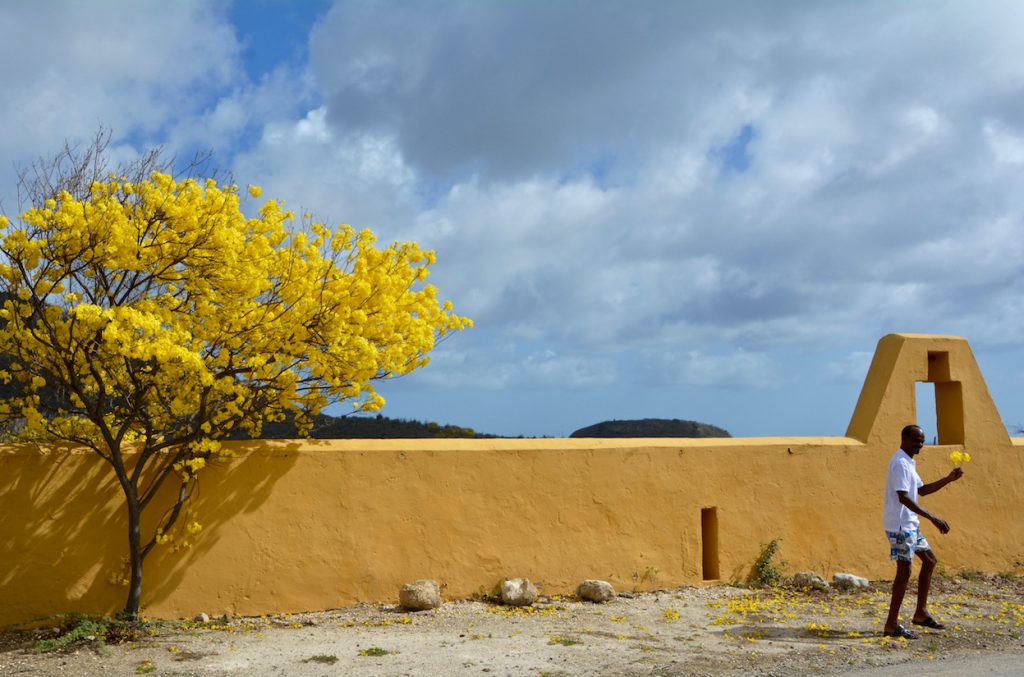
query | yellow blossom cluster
[169, 284]
[404, 620]
[958, 457]
[162, 301]
[523, 611]
[856, 617]
[121, 575]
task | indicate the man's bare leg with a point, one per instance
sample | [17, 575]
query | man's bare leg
[924, 582]
[899, 589]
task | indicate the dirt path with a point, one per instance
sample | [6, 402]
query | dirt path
[712, 631]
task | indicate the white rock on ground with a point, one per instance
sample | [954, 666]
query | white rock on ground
[518, 592]
[809, 579]
[595, 591]
[849, 581]
[420, 595]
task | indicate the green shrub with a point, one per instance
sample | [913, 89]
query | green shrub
[766, 572]
[97, 630]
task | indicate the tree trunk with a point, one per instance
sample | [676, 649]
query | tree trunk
[131, 607]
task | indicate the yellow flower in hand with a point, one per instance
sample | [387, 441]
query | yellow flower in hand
[959, 457]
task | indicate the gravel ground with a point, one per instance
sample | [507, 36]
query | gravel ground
[687, 631]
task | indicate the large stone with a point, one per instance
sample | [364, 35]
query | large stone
[850, 582]
[420, 595]
[518, 592]
[595, 591]
[809, 579]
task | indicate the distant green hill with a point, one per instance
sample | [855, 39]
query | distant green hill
[366, 427]
[651, 427]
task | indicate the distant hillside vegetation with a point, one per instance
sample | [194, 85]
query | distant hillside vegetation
[366, 427]
[651, 427]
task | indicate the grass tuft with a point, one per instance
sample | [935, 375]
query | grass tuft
[326, 659]
[374, 651]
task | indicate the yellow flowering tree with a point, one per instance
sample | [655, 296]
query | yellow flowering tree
[148, 319]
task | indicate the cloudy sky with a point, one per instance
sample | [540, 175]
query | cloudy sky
[709, 211]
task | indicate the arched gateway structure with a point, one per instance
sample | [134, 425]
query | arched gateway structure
[306, 524]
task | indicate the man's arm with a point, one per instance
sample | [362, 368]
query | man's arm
[932, 487]
[906, 500]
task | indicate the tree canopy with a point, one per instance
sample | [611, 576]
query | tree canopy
[147, 318]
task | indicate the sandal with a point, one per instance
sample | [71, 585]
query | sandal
[901, 631]
[930, 623]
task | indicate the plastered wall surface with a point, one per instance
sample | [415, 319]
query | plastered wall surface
[304, 525]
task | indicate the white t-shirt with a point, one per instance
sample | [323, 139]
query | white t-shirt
[902, 477]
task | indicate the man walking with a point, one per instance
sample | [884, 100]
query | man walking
[902, 487]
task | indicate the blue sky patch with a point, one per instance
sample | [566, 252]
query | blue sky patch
[735, 155]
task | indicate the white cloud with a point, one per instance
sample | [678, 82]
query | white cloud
[1006, 145]
[358, 178]
[738, 369]
[133, 67]
[476, 367]
[244, 110]
[851, 368]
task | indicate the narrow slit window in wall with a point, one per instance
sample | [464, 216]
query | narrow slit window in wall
[949, 400]
[924, 403]
[709, 543]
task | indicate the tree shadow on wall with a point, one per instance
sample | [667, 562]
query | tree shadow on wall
[55, 542]
[64, 526]
[227, 489]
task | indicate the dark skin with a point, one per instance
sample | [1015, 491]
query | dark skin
[912, 443]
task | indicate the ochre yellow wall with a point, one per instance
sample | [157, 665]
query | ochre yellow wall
[304, 525]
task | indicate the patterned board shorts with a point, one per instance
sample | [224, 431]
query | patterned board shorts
[903, 544]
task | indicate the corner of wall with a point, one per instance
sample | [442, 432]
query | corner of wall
[873, 403]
